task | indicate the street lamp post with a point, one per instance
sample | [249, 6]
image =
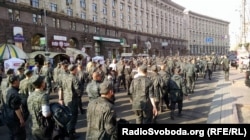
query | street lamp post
[45, 30]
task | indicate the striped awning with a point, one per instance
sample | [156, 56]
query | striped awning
[8, 51]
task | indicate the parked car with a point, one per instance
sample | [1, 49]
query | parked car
[235, 63]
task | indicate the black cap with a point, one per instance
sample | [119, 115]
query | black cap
[37, 80]
[28, 71]
[71, 67]
[10, 71]
[13, 78]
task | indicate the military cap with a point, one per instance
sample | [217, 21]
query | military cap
[37, 80]
[28, 71]
[13, 78]
[105, 87]
[10, 71]
[154, 68]
[71, 67]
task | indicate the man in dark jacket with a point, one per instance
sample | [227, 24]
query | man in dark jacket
[177, 88]
[143, 97]
[14, 117]
[101, 117]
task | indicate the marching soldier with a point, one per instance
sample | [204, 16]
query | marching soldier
[101, 111]
[93, 88]
[177, 88]
[142, 97]
[190, 75]
[69, 97]
[47, 71]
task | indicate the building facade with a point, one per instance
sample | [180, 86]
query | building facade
[107, 27]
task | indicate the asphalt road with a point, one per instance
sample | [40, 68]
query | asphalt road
[195, 108]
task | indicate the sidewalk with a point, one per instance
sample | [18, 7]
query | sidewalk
[231, 101]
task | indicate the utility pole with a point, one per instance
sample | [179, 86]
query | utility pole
[243, 24]
[45, 30]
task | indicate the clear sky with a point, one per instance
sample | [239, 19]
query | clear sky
[227, 10]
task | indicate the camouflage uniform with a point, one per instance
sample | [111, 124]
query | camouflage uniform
[71, 92]
[47, 71]
[35, 102]
[177, 88]
[101, 120]
[141, 103]
[225, 64]
[190, 76]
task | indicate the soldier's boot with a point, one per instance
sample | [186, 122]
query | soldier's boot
[161, 109]
[179, 113]
[172, 115]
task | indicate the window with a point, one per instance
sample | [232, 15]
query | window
[121, 16]
[34, 3]
[36, 19]
[83, 15]
[53, 7]
[113, 3]
[129, 9]
[83, 3]
[72, 26]
[104, 10]
[113, 13]
[104, 2]
[14, 15]
[105, 20]
[68, 2]
[58, 23]
[11, 14]
[95, 18]
[69, 12]
[128, 18]
[94, 7]
[86, 28]
[121, 6]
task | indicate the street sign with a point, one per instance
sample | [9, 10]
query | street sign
[209, 39]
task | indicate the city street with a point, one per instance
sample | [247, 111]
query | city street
[195, 109]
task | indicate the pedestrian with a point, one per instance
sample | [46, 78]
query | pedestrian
[47, 71]
[143, 103]
[101, 117]
[14, 117]
[71, 90]
[158, 86]
[25, 89]
[93, 89]
[39, 108]
[225, 65]
[177, 88]
[190, 75]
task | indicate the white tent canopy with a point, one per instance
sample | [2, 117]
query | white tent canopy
[98, 58]
[72, 52]
[13, 63]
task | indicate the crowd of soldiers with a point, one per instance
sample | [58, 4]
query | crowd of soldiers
[154, 85]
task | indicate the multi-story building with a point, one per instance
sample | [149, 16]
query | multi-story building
[106, 27]
[206, 35]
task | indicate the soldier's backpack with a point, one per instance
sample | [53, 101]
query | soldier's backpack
[61, 114]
